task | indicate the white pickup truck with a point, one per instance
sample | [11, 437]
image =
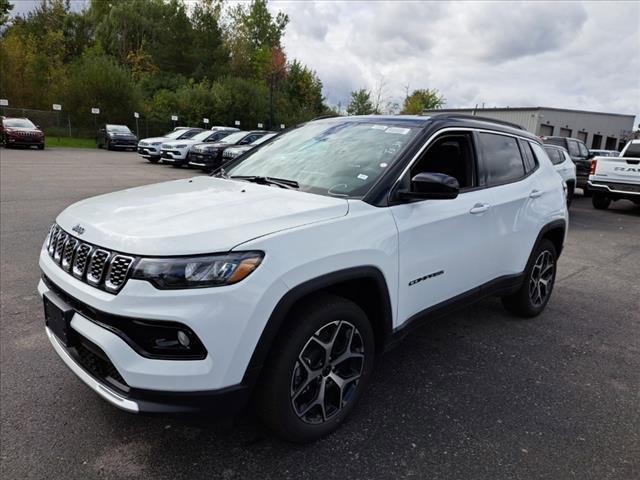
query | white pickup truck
[616, 178]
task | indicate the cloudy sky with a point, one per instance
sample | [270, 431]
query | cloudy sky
[582, 55]
[563, 54]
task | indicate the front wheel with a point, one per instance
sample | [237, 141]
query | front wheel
[570, 190]
[153, 160]
[318, 369]
[540, 275]
[600, 201]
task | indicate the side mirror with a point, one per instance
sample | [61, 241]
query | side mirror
[431, 186]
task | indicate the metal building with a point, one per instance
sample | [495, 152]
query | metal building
[597, 130]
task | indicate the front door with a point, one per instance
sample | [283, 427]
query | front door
[446, 247]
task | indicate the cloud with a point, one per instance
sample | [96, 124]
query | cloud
[583, 55]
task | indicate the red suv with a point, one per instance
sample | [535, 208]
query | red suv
[21, 131]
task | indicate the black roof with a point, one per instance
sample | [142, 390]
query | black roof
[444, 120]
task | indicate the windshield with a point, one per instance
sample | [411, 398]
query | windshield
[174, 134]
[118, 129]
[18, 123]
[234, 138]
[633, 151]
[263, 139]
[202, 135]
[336, 156]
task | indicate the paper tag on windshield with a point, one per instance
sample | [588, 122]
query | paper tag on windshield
[401, 131]
[362, 176]
[379, 127]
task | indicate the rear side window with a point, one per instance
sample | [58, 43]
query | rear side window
[574, 151]
[538, 151]
[555, 155]
[502, 159]
[530, 162]
[584, 151]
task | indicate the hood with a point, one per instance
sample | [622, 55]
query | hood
[186, 141]
[122, 134]
[153, 139]
[214, 146]
[22, 130]
[193, 216]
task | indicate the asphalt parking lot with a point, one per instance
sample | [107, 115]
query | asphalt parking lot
[475, 395]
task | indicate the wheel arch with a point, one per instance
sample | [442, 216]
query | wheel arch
[366, 286]
[555, 232]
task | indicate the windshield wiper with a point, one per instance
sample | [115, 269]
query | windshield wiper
[280, 182]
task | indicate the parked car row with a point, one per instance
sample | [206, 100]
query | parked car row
[199, 148]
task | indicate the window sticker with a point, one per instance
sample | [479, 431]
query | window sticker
[379, 127]
[362, 176]
[399, 130]
[383, 165]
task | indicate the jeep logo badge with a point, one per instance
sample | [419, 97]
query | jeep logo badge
[78, 229]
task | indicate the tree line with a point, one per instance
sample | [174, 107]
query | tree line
[158, 58]
[164, 57]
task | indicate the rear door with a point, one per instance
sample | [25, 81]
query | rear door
[510, 176]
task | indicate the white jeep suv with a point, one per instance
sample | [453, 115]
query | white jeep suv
[285, 274]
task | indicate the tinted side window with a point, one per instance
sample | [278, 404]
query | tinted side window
[584, 152]
[502, 159]
[539, 152]
[530, 162]
[574, 151]
[555, 155]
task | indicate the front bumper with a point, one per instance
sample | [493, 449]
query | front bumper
[173, 156]
[223, 402]
[205, 160]
[24, 140]
[149, 152]
[122, 143]
[228, 324]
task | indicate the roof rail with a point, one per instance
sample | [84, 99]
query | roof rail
[331, 115]
[475, 117]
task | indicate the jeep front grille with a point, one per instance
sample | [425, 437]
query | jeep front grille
[96, 266]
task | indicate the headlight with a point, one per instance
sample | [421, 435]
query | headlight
[156, 144]
[197, 272]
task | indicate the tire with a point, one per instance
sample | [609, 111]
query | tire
[153, 160]
[600, 201]
[176, 165]
[534, 294]
[299, 416]
[570, 190]
[108, 145]
[586, 192]
[41, 146]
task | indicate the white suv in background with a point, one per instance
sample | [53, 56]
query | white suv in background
[176, 152]
[150, 148]
[286, 273]
[565, 167]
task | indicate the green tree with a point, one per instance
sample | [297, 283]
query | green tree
[360, 103]
[5, 8]
[98, 80]
[423, 99]
[211, 55]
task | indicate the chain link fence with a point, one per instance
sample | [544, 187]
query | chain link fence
[74, 125]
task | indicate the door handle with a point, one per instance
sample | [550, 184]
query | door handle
[480, 208]
[535, 194]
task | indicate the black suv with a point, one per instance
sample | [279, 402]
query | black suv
[579, 154]
[116, 136]
[208, 156]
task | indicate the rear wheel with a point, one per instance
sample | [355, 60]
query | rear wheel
[533, 296]
[600, 201]
[318, 370]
